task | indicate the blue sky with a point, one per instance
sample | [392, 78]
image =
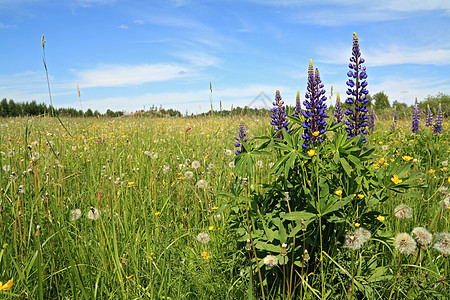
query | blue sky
[128, 54]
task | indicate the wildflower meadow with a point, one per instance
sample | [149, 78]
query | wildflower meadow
[305, 202]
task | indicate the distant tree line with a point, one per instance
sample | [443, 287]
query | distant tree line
[20, 109]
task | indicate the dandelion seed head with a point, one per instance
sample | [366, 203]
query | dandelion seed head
[93, 214]
[195, 164]
[423, 236]
[203, 237]
[75, 213]
[188, 175]
[403, 211]
[405, 243]
[356, 239]
[271, 261]
[442, 243]
[202, 184]
[446, 202]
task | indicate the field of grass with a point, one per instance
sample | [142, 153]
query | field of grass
[139, 208]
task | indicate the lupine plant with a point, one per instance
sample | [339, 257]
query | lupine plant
[242, 137]
[415, 118]
[314, 113]
[438, 121]
[357, 94]
[298, 106]
[429, 119]
[279, 120]
[338, 115]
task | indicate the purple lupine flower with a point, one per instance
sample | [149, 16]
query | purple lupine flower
[314, 124]
[438, 121]
[241, 138]
[393, 124]
[395, 115]
[357, 94]
[429, 119]
[338, 115]
[372, 120]
[416, 118]
[298, 106]
[279, 116]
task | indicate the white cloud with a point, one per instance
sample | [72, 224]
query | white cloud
[390, 55]
[128, 75]
[342, 12]
[194, 101]
[198, 58]
[123, 26]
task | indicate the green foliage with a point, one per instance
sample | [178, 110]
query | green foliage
[381, 101]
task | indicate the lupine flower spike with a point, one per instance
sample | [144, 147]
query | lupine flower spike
[371, 120]
[438, 121]
[338, 115]
[298, 106]
[314, 124]
[241, 138]
[395, 115]
[429, 119]
[393, 124]
[357, 94]
[416, 118]
[279, 116]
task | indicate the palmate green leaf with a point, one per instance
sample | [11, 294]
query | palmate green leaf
[334, 204]
[345, 165]
[298, 216]
[260, 245]
[356, 161]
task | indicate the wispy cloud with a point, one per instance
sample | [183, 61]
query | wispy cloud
[391, 55]
[342, 12]
[123, 26]
[89, 3]
[129, 75]
[198, 58]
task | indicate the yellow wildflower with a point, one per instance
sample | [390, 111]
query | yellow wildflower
[381, 161]
[380, 218]
[444, 169]
[360, 196]
[131, 183]
[407, 158]
[214, 207]
[157, 213]
[357, 224]
[338, 192]
[311, 152]
[205, 255]
[211, 227]
[396, 180]
[6, 286]
[431, 171]
[315, 133]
